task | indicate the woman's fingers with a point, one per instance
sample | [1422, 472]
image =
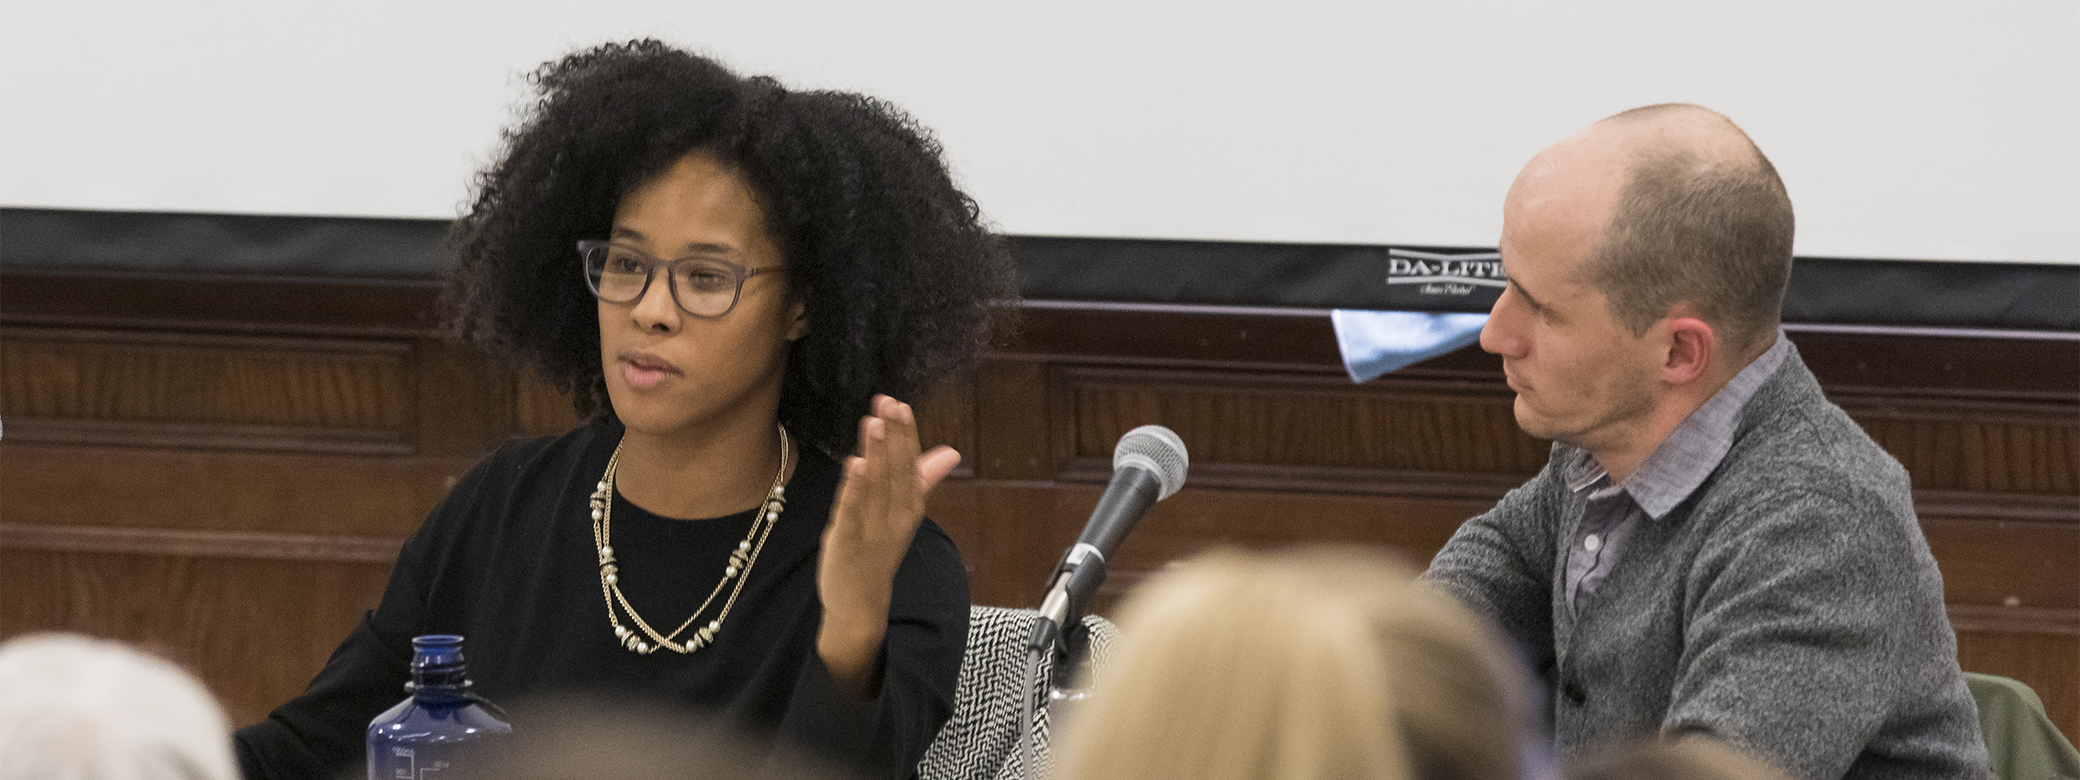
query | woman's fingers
[903, 461]
[852, 496]
[876, 448]
[885, 485]
[856, 494]
[934, 466]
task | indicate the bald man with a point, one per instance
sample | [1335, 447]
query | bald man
[1712, 547]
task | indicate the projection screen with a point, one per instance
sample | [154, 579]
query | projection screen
[1905, 130]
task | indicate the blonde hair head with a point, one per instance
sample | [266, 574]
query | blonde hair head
[78, 708]
[1306, 664]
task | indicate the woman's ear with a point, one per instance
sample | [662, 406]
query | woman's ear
[797, 321]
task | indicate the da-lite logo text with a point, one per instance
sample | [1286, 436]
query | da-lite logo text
[1453, 275]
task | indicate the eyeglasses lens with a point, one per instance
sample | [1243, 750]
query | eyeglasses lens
[620, 275]
[617, 274]
[704, 289]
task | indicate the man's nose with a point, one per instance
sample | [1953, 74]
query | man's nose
[1501, 334]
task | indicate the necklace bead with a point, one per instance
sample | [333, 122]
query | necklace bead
[740, 562]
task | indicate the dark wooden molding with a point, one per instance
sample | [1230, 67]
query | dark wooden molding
[1999, 507]
[2014, 620]
[184, 338]
[177, 436]
[208, 303]
[173, 542]
[1903, 363]
[1317, 479]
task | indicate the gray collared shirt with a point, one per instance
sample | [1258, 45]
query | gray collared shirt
[1670, 474]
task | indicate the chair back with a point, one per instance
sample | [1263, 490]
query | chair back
[2021, 741]
[983, 738]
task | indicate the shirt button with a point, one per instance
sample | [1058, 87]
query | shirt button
[1592, 543]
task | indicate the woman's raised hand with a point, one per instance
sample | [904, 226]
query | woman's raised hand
[878, 508]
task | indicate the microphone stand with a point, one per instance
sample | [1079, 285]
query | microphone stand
[1148, 465]
[1059, 635]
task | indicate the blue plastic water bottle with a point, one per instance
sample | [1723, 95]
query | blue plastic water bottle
[440, 726]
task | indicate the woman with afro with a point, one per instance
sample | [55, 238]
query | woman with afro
[734, 282]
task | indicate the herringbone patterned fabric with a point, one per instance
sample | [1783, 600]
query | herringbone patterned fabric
[981, 741]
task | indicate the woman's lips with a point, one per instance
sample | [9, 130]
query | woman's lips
[644, 370]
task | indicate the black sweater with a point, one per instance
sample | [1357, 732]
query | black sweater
[507, 560]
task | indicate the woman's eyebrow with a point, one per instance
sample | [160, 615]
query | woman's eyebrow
[691, 248]
[702, 248]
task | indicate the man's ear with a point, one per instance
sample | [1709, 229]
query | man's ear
[1692, 346]
[797, 321]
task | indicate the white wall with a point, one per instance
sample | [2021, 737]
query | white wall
[1906, 129]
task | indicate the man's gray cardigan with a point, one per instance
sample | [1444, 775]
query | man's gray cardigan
[1789, 606]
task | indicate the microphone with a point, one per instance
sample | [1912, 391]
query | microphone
[1148, 466]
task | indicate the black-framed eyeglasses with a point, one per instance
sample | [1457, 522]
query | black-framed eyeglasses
[702, 286]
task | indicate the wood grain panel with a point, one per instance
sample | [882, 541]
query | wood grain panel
[2016, 619]
[464, 407]
[115, 387]
[1933, 366]
[1012, 409]
[540, 409]
[180, 543]
[946, 415]
[254, 630]
[1004, 530]
[1976, 445]
[1019, 529]
[1304, 421]
[2007, 563]
[221, 303]
[230, 491]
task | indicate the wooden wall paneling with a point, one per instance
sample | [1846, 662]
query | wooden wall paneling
[221, 303]
[2008, 563]
[1126, 334]
[1931, 366]
[1011, 407]
[221, 469]
[1971, 444]
[2013, 586]
[465, 402]
[996, 506]
[206, 391]
[255, 630]
[539, 409]
[1009, 540]
[235, 491]
[946, 415]
[1413, 528]
[263, 545]
[1303, 422]
[253, 449]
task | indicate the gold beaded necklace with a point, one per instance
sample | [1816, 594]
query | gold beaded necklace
[738, 568]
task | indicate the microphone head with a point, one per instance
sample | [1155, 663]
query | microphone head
[1157, 449]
